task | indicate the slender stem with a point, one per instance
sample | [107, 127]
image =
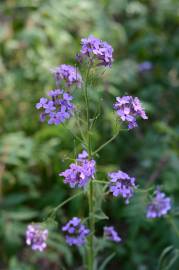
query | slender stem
[87, 111]
[92, 227]
[100, 182]
[138, 190]
[66, 201]
[2, 167]
[79, 126]
[172, 222]
[91, 193]
[75, 136]
[106, 143]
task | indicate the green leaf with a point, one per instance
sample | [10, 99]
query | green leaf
[22, 214]
[168, 258]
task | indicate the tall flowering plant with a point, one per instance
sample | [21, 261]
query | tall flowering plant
[56, 109]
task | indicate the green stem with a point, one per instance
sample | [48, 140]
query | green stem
[172, 222]
[91, 193]
[75, 136]
[80, 129]
[106, 143]
[100, 182]
[138, 190]
[92, 227]
[87, 112]
[66, 201]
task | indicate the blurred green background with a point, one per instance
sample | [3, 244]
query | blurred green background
[38, 35]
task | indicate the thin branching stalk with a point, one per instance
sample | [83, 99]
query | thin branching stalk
[101, 181]
[91, 193]
[66, 201]
[106, 143]
[75, 136]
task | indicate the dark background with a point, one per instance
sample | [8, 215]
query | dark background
[38, 35]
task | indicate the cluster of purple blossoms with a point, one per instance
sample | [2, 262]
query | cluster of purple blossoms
[111, 234]
[145, 66]
[95, 48]
[57, 109]
[80, 172]
[76, 232]
[121, 184]
[36, 237]
[159, 206]
[67, 73]
[128, 109]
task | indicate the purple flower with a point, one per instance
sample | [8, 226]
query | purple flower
[128, 109]
[80, 172]
[159, 206]
[42, 103]
[121, 184]
[36, 237]
[76, 232]
[94, 48]
[145, 66]
[57, 109]
[67, 73]
[111, 234]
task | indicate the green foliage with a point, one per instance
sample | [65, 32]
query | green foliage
[37, 35]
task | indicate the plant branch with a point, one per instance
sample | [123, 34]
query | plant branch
[100, 182]
[75, 136]
[90, 193]
[66, 201]
[106, 143]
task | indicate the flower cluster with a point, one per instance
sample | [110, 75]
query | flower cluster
[95, 48]
[67, 73]
[80, 172]
[36, 237]
[159, 206]
[128, 109]
[57, 109]
[121, 184]
[111, 234]
[76, 232]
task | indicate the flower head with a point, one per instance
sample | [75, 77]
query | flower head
[111, 234]
[76, 232]
[94, 48]
[36, 237]
[57, 108]
[145, 66]
[121, 184]
[68, 74]
[128, 109]
[159, 206]
[80, 172]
